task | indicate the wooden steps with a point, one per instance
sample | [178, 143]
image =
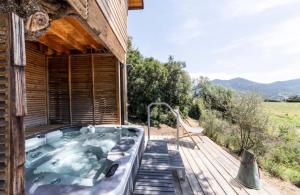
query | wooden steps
[155, 176]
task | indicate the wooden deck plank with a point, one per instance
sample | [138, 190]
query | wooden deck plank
[237, 187]
[210, 170]
[216, 180]
[154, 176]
[195, 186]
[232, 164]
[184, 185]
[229, 163]
[206, 180]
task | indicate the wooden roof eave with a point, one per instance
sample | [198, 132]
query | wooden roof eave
[135, 4]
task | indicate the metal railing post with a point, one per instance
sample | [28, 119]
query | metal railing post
[149, 118]
[172, 110]
[177, 126]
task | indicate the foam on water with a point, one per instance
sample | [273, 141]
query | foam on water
[73, 157]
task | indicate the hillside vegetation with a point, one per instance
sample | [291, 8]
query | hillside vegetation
[238, 121]
[277, 90]
[283, 114]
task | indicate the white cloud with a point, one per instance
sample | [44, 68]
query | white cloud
[287, 73]
[284, 37]
[237, 8]
[186, 32]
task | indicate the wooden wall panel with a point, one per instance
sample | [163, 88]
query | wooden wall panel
[106, 100]
[58, 90]
[82, 97]
[87, 97]
[36, 87]
[4, 106]
[104, 30]
[116, 13]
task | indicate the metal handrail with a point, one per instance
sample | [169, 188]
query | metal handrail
[173, 111]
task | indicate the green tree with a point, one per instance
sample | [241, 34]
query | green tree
[150, 80]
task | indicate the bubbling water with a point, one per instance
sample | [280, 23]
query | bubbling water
[74, 157]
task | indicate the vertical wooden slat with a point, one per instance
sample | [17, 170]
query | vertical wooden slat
[18, 105]
[106, 89]
[5, 136]
[59, 90]
[93, 86]
[118, 91]
[82, 105]
[70, 87]
[36, 86]
[18, 41]
[47, 89]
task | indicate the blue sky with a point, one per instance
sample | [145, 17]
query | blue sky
[255, 39]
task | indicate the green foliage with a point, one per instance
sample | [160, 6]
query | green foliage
[247, 114]
[295, 98]
[150, 80]
[283, 156]
[214, 97]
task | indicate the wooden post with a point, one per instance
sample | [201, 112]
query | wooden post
[47, 89]
[118, 91]
[12, 46]
[70, 88]
[124, 104]
[93, 86]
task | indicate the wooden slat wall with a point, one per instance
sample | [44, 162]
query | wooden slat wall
[4, 107]
[103, 92]
[116, 13]
[106, 100]
[58, 90]
[81, 77]
[36, 87]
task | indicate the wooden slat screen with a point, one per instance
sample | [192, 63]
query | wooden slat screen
[106, 106]
[36, 87]
[59, 111]
[4, 107]
[81, 77]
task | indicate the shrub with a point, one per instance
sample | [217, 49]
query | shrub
[248, 116]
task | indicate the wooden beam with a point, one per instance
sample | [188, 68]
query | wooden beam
[70, 88]
[118, 90]
[135, 4]
[47, 89]
[52, 43]
[93, 87]
[59, 29]
[14, 104]
[83, 31]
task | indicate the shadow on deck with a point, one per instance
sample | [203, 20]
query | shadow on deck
[210, 170]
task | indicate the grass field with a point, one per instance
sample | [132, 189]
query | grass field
[282, 158]
[283, 114]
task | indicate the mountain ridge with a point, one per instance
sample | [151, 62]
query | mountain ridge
[277, 90]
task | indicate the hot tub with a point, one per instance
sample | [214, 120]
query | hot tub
[84, 160]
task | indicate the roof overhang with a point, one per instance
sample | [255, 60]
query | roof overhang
[135, 4]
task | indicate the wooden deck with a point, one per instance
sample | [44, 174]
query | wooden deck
[210, 170]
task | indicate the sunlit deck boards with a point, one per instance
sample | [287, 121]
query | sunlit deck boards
[210, 170]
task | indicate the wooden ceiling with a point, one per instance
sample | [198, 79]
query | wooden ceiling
[68, 34]
[135, 4]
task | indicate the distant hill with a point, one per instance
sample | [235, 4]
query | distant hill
[277, 90]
